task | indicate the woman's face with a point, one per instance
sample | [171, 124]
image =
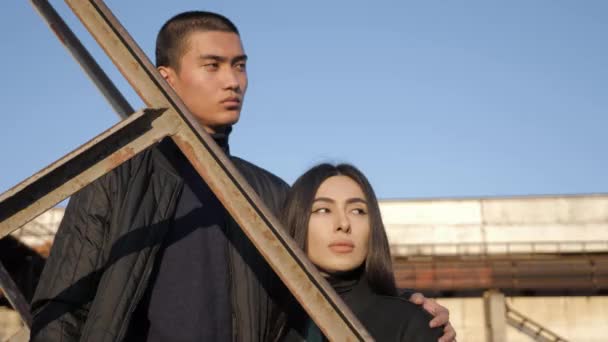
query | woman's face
[338, 231]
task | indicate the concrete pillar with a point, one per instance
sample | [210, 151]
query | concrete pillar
[495, 315]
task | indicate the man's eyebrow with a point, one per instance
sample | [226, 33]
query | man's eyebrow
[213, 57]
[221, 59]
[241, 58]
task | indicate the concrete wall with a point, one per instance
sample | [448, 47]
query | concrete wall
[564, 220]
[41, 230]
[577, 319]
[551, 224]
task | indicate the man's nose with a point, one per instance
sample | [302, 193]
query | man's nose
[230, 80]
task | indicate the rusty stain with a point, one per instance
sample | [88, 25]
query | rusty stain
[119, 157]
[58, 34]
[540, 274]
[268, 235]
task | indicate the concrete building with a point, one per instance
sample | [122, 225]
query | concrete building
[549, 253]
[555, 249]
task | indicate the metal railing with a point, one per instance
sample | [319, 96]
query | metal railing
[531, 328]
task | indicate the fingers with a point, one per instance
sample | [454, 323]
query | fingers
[417, 298]
[441, 317]
[449, 334]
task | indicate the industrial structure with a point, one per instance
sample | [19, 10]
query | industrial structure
[509, 269]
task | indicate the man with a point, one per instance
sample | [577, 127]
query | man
[147, 252]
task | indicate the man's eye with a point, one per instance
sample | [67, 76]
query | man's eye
[211, 66]
[241, 66]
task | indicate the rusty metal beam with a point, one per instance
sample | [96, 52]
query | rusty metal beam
[79, 168]
[585, 273]
[14, 296]
[118, 102]
[316, 296]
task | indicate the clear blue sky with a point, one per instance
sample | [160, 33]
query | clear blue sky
[428, 98]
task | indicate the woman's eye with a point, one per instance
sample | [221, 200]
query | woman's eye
[359, 211]
[321, 211]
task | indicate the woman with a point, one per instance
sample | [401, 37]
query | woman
[333, 214]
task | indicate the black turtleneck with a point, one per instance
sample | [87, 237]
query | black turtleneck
[188, 296]
[387, 318]
[344, 282]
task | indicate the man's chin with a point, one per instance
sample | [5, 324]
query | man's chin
[227, 121]
[220, 122]
[219, 127]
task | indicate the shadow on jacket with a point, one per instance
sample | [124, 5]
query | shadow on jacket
[106, 245]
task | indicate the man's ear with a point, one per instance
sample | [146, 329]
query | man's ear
[168, 74]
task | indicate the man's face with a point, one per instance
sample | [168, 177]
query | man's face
[212, 78]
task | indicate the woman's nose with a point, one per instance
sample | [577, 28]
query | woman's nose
[343, 223]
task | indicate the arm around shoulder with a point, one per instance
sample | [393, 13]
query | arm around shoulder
[417, 328]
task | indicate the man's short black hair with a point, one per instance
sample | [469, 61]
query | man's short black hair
[173, 36]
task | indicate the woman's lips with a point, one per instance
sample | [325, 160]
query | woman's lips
[342, 247]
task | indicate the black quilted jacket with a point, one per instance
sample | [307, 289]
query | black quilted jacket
[107, 243]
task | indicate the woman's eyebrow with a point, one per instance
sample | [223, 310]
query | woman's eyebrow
[356, 200]
[348, 201]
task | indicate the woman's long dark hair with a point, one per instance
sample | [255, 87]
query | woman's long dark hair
[378, 265]
[378, 268]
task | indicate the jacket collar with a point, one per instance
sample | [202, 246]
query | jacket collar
[221, 139]
[170, 153]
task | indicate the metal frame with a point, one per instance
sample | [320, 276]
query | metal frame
[120, 105]
[14, 296]
[80, 167]
[143, 129]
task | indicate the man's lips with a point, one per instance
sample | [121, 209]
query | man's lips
[231, 102]
[342, 246]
